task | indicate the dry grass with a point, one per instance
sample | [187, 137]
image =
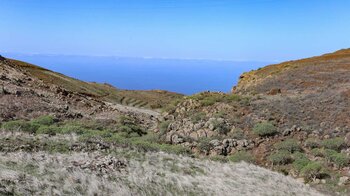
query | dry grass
[41, 173]
[121, 171]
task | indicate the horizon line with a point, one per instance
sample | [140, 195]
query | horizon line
[140, 57]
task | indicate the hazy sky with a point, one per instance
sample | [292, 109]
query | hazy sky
[209, 29]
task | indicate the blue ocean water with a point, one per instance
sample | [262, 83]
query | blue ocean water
[182, 76]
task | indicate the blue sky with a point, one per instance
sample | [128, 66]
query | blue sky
[264, 30]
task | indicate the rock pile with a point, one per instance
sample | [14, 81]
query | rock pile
[102, 165]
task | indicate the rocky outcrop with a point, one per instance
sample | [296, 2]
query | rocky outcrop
[230, 146]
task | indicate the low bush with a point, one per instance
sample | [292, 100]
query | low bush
[265, 129]
[313, 170]
[210, 98]
[220, 127]
[339, 159]
[204, 145]
[242, 156]
[51, 130]
[73, 129]
[129, 127]
[237, 133]
[219, 158]
[198, 117]
[44, 120]
[333, 143]
[20, 125]
[220, 114]
[318, 152]
[282, 157]
[171, 107]
[57, 147]
[163, 127]
[300, 161]
[290, 145]
[312, 143]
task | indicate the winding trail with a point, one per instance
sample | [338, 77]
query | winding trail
[124, 108]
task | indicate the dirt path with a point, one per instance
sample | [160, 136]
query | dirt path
[123, 108]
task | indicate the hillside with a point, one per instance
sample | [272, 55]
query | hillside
[154, 99]
[291, 117]
[324, 72]
[63, 136]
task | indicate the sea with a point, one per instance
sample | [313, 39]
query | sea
[185, 76]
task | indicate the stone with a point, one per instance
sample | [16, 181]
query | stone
[347, 139]
[317, 181]
[286, 132]
[302, 180]
[343, 180]
[176, 139]
[215, 142]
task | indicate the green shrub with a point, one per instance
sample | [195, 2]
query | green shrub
[51, 130]
[333, 143]
[328, 153]
[151, 137]
[163, 127]
[220, 127]
[290, 145]
[312, 143]
[129, 127]
[57, 147]
[340, 159]
[237, 134]
[280, 157]
[73, 129]
[313, 170]
[210, 98]
[318, 152]
[20, 125]
[337, 158]
[300, 161]
[204, 144]
[97, 134]
[198, 117]
[44, 120]
[219, 158]
[265, 129]
[220, 114]
[242, 156]
[171, 107]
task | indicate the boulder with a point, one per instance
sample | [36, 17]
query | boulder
[176, 139]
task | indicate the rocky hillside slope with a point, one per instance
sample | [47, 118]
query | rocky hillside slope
[291, 117]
